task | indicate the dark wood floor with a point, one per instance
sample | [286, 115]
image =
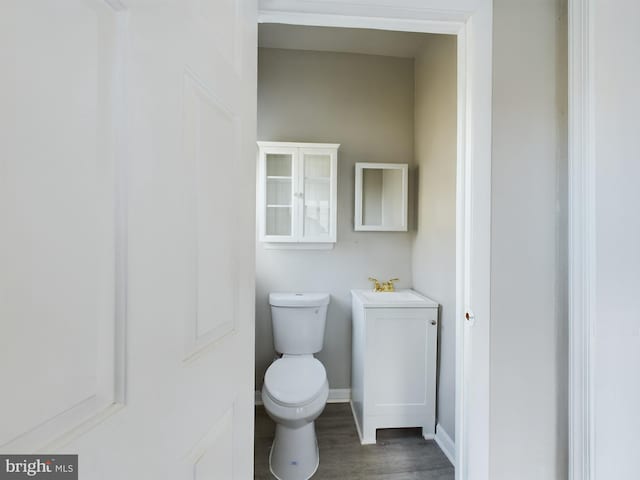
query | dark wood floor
[400, 454]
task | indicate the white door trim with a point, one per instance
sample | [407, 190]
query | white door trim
[474, 31]
[582, 240]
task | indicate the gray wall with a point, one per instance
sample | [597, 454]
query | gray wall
[434, 246]
[528, 281]
[365, 103]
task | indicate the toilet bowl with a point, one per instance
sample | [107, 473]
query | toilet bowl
[294, 394]
[295, 388]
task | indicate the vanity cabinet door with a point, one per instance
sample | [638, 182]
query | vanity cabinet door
[399, 347]
[399, 361]
[396, 383]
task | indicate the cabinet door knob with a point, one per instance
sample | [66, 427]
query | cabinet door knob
[433, 322]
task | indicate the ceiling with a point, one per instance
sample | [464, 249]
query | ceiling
[347, 40]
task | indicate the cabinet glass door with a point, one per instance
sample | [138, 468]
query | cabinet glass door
[318, 196]
[279, 194]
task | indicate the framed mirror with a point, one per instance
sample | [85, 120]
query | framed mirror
[381, 197]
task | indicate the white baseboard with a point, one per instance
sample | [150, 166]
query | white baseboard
[445, 443]
[336, 395]
[339, 395]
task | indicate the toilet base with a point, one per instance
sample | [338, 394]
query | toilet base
[294, 453]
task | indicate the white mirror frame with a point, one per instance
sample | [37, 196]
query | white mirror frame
[358, 224]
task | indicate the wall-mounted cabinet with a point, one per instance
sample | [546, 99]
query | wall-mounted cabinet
[297, 190]
[381, 197]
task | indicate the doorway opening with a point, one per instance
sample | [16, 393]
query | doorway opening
[385, 97]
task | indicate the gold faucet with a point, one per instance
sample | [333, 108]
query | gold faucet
[376, 284]
[384, 286]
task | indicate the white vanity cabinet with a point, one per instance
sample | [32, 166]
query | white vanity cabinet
[394, 362]
[297, 192]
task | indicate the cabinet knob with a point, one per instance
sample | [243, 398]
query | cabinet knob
[433, 322]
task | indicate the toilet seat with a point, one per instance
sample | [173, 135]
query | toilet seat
[295, 381]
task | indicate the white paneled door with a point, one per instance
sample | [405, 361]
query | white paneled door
[127, 176]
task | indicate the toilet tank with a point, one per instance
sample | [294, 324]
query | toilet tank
[298, 321]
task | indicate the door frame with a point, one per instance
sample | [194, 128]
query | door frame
[582, 241]
[473, 28]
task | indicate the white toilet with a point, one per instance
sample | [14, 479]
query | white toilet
[295, 387]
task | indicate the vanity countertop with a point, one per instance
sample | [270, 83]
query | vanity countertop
[398, 299]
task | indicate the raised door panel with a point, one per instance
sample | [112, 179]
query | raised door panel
[60, 354]
[213, 456]
[210, 133]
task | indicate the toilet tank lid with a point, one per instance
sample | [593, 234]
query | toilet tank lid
[299, 299]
